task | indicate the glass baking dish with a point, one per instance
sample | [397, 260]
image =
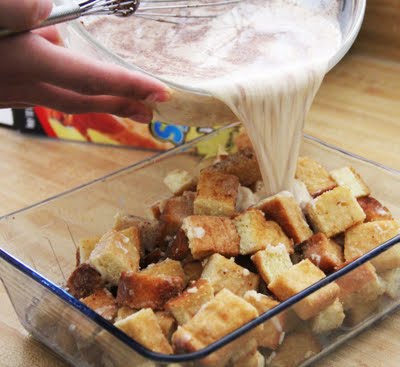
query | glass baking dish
[38, 246]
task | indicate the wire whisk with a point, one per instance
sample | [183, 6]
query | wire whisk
[159, 10]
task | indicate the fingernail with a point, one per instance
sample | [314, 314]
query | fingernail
[163, 96]
[141, 118]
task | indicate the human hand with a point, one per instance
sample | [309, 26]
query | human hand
[36, 70]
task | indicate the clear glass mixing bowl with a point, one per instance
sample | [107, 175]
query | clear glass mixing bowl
[193, 106]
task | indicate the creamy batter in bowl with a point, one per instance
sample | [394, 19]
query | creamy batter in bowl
[192, 104]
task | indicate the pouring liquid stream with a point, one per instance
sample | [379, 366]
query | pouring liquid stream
[264, 59]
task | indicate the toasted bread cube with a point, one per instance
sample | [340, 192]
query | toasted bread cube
[175, 210]
[223, 314]
[143, 327]
[329, 319]
[256, 233]
[301, 194]
[335, 211]
[167, 323]
[167, 267]
[138, 290]
[86, 246]
[186, 305]
[283, 209]
[133, 234]
[360, 285]
[271, 333]
[150, 231]
[114, 254]
[216, 194]
[272, 262]
[208, 235]
[295, 349]
[179, 180]
[366, 236]
[193, 270]
[124, 312]
[178, 249]
[102, 302]
[225, 273]
[348, 177]
[242, 164]
[248, 356]
[316, 178]
[391, 281]
[84, 281]
[298, 278]
[323, 252]
[360, 312]
[373, 209]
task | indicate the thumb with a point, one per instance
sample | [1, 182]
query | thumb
[23, 14]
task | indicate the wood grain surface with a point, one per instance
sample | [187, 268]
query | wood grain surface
[356, 109]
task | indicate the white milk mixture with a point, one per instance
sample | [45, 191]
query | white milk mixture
[265, 59]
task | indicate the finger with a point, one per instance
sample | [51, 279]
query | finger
[51, 34]
[63, 67]
[71, 102]
[15, 105]
[23, 14]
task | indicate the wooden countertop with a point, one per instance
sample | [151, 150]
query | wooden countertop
[356, 109]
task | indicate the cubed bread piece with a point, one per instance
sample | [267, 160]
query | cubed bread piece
[124, 312]
[223, 314]
[167, 323]
[248, 356]
[256, 233]
[133, 234]
[283, 209]
[348, 177]
[334, 211]
[301, 194]
[114, 254]
[84, 281]
[102, 302]
[242, 164]
[150, 231]
[143, 327]
[175, 210]
[138, 290]
[295, 349]
[272, 262]
[391, 282]
[271, 333]
[323, 252]
[360, 312]
[373, 209]
[178, 249]
[298, 278]
[216, 194]
[186, 305]
[179, 180]
[225, 273]
[246, 198]
[360, 285]
[314, 175]
[329, 319]
[193, 270]
[86, 246]
[366, 236]
[208, 235]
[166, 268]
